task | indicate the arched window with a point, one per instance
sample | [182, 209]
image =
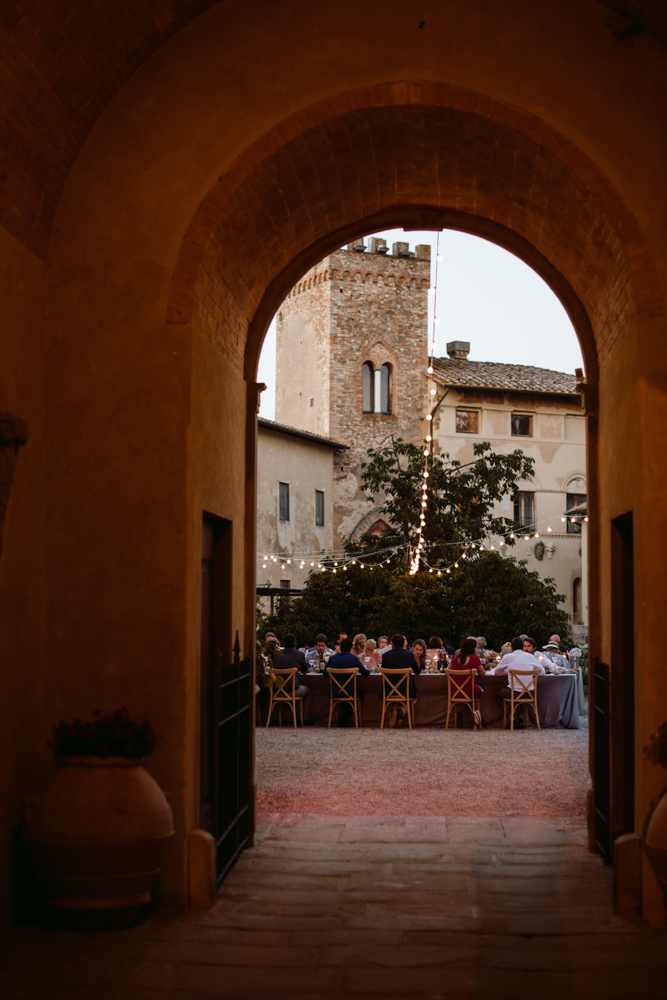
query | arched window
[376, 388]
[385, 389]
[368, 388]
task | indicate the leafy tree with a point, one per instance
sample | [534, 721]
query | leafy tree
[461, 496]
[491, 595]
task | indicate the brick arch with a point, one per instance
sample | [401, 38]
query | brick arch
[423, 155]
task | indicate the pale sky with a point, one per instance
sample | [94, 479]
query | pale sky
[485, 295]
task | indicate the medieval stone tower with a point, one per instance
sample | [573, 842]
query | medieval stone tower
[351, 360]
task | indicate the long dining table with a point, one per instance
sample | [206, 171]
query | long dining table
[557, 700]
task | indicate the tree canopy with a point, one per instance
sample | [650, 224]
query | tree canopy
[493, 596]
[462, 497]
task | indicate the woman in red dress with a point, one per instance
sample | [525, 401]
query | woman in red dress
[467, 659]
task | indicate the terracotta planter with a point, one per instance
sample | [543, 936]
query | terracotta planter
[95, 832]
[655, 841]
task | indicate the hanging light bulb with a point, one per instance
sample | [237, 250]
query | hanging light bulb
[429, 416]
[433, 346]
[585, 519]
[439, 572]
[354, 562]
[493, 547]
[428, 437]
[431, 291]
[439, 258]
[435, 319]
[574, 520]
[549, 528]
[449, 571]
[562, 519]
[426, 451]
[429, 370]
[426, 477]
[527, 538]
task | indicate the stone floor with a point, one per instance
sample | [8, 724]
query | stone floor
[382, 907]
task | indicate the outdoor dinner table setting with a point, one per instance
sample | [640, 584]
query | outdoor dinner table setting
[560, 698]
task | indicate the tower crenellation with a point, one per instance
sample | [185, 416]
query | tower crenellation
[351, 350]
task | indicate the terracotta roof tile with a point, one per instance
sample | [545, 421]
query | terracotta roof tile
[492, 375]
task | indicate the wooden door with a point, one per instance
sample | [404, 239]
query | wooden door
[224, 705]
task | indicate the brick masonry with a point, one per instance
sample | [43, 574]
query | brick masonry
[350, 308]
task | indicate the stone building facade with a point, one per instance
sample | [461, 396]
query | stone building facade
[360, 313]
[295, 503]
[541, 412]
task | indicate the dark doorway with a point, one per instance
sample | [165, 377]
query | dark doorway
[622, 678]
[225, 704]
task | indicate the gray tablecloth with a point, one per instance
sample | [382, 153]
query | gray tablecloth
[557, 699]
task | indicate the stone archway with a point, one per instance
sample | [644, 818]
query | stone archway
[182, 218]
[423, 156]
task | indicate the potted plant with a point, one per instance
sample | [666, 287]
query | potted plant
[96, 828]
[655, 839]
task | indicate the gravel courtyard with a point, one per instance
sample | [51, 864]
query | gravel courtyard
[423, 772]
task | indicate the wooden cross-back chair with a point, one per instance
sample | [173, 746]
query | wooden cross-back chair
[391, 691]
[338, 692]
[286, 694]
[457, 695]
[523, 695]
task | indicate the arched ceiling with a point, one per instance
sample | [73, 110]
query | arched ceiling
[63, 60]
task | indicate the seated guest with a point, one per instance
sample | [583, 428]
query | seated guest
[530, 646]
[341, 635]
[293, 657]
[370, 657]
[448, 648]
[467, 659]
[344, 661]
[359, 644]
[481, 648]
[317, 656]
[435, 654]
[400, 658]
[516, 660]
[383, 645]
[419, 653]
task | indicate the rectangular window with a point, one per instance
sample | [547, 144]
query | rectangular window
[467, 422]
[524, 509]
[283, 496]
[573, 500]
[284, 584]
[522, 425]
[319, 507]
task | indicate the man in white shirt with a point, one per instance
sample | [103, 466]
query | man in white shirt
[518, 659]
